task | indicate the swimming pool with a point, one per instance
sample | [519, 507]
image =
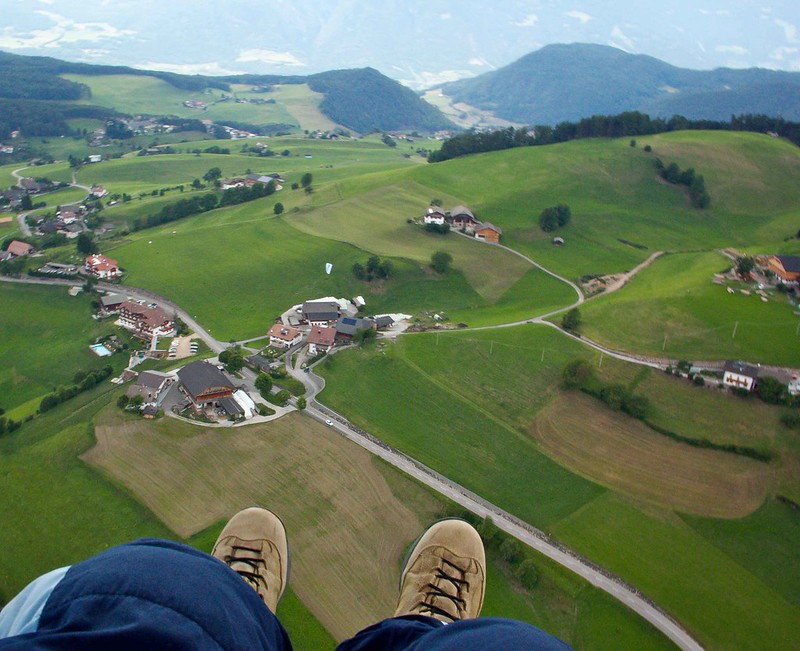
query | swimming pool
[100, 350]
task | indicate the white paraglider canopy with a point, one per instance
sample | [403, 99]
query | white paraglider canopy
[328, 268]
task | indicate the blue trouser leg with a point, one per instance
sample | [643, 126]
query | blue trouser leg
[418, 633]
[21, 614]
[153, 594]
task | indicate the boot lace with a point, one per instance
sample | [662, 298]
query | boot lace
[434, 591]
[248, 566]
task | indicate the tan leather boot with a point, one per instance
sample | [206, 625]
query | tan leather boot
[444, 575]
[254, 545]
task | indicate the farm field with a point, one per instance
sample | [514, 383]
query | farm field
[679, 313]
[332, 526]
[507, 384]
[46, 335]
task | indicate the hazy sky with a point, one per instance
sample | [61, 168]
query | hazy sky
[420, 42]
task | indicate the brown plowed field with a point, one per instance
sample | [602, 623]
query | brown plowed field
[623, 453]
[347, 529]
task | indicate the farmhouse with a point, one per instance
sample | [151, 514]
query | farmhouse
[281, 336]
[434, 215]
[461, 217]
[205, 385]
[383, 321]
[18, 249]
[488, 232]
[739, 375]
[101, 266]
[145, 321]
[149, 385]
[320, 313]
[320, 340]
[348, 326]
[786, 267]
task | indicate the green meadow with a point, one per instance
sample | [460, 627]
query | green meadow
[46, 335]
[673, 309]
[474, 397]
[294, 105]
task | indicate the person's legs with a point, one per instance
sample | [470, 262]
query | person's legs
[442, 587]
[160, 594]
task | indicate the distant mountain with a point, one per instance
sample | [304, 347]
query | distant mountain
[570, 82]
[363, 100]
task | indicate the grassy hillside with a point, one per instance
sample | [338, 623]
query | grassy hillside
[679, 312]
[31, 316]
[479, 399]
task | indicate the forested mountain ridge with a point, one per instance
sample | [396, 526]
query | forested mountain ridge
[570, 82]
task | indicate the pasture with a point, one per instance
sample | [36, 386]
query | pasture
[615, 194]
[475, 394]
[295, 105]
[672, 309]
[46, 335]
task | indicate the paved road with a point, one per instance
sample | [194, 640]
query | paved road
[512, 525]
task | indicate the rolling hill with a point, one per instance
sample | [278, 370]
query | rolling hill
[569, 82]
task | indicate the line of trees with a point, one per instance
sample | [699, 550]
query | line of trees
[203, 203]
[82, 381]
[672, 173]
[629, 123]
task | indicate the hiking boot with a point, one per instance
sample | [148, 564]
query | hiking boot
[253, 544]
[444, 575]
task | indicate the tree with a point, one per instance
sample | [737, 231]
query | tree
[436, 202]
[359, 271]
[527, 574]
[278, 209]
[213, 174]
[365, 336]
[306, 180]
[744, 265]
[233, 358]
[563, 214]
[264, 385]
[613, 395]
[85, 244]
[197, 184]
[301, 403]
[122, 401]
[772, 390]
[281, 398]
[571, 320]
[576, 374]
[440, 261]
[26, 203]
[511, 550]
[136, 402]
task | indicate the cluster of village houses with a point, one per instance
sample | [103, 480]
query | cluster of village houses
[318, 324]
[461, 219]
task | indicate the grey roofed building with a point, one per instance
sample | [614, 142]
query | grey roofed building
[349, 326]
[112, 300]
[461, 210]
[316, 311]
[231, 407]
[741, 368]
[384, 321]
[258, 361]
[204, 382]
[152, 379]
[791, 263]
